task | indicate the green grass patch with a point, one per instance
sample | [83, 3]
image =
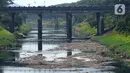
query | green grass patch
[6, 38]
[118, 42]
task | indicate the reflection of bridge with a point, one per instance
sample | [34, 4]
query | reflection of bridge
[99, 10]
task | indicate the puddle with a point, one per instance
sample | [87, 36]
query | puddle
[85, 59]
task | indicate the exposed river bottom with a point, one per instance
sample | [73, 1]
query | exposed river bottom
[87, 57]
[84, 54]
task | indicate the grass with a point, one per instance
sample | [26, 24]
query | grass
[118, 42]
[6, 38]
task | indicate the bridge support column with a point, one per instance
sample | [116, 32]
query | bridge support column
[100, 23]
[40, 32]
[69, 52]
[56, 23]
[69, 26]
[69, 31]
[12, 25]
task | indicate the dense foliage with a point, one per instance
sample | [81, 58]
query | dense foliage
[24, 29]
[96, 2]
[123, 25]
[83, 30]
[110, 20]
[7, 38]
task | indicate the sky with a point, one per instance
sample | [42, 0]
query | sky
[42, 2]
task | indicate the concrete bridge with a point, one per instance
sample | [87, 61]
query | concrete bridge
[69, 11]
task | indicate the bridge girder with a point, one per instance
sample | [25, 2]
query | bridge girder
[53, 9]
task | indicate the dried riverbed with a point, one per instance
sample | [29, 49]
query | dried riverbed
[92, 54]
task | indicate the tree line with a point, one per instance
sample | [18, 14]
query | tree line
[110, 19]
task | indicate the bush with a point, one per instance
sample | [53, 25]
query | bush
[24, 29]
[84, 30]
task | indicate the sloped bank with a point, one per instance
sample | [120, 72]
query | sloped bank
[8, 40]
[118, 45]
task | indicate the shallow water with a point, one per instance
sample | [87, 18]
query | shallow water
[28, 49]
[8, 69]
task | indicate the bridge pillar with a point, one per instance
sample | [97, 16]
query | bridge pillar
[69, 26]
[69, 52]
[100, 23]
[56, 23]
[69, 31]
[40, 32]
[12, 25]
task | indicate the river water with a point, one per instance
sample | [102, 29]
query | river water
[29, 48]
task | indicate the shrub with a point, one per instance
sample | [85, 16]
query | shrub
[84, 30]
[24, 29]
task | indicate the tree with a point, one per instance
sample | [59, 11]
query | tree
[123, 25]
[109, 20]
[5, 2]
[4, 18]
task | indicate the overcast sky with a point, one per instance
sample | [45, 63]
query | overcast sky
[42, 2]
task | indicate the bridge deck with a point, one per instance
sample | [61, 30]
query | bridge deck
[62, 9]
